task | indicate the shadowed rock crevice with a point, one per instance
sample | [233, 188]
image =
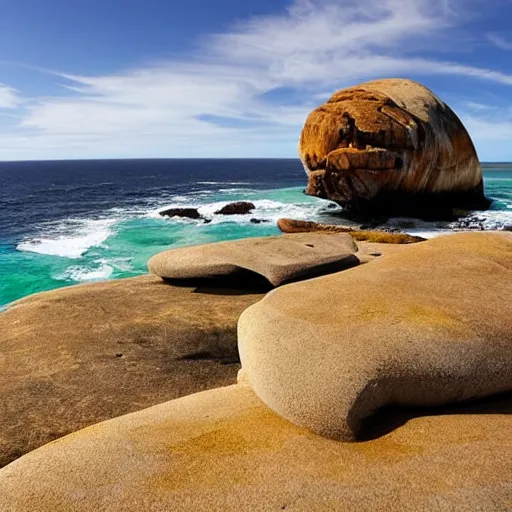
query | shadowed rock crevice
[392, 417]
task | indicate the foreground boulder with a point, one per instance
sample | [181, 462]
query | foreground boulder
[391, 146]
[79, 355]
[382, 237]
[238, 208]
[224, 450]
[278, 259]
[429, 325]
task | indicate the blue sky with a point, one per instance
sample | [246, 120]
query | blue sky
[196, 78]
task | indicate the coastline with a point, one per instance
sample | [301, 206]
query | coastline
[116, 242]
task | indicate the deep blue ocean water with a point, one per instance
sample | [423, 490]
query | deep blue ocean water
[69, 222]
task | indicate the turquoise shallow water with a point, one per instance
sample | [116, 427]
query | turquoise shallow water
[116, 239]
[120, 244]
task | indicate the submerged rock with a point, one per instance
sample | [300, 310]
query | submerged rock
[277, 259]
[382, 237]
[391, 146]
[238, 208]
[427, 326]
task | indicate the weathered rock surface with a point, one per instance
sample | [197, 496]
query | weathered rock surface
[224, 450]
[383, 237]
[279, 259]
[190, 213]
[75, 356]
[429, 325]
[238, 208]
[391, 146]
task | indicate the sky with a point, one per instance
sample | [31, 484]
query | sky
[232, 78]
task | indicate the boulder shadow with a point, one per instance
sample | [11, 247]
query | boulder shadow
[390, 418]
[243, 282]
[247, 282]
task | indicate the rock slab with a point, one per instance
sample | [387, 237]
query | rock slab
[225, 450]
[279, 259]
[75, 356]
[361, 235]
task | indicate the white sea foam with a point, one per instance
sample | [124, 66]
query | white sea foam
[265, 209]
[69, 240]
[81, 274]
[235, 190]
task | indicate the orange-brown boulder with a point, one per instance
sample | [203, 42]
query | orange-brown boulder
[391, 146]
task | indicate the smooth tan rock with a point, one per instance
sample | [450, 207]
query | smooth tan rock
[79, 355]
[391, 146]
[370, 251]
[429, 325]
[279, 259]
[224, 450]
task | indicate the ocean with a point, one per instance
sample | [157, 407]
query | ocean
[69, 222]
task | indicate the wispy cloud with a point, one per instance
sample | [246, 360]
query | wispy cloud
[500, 42]
[228, 98]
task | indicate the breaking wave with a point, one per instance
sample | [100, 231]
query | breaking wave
[71, 239]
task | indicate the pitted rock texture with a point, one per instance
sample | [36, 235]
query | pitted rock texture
[278, 259]
[426, 326]
[225, 450]
[391, 146]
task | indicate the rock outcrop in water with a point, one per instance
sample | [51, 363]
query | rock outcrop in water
[391, 146]
[188, 213]
[237, 208]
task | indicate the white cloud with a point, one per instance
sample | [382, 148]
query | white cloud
[9, 97]
[490, 127]
[169, 108]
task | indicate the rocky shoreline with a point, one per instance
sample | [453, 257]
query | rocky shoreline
[331, 367]
[357, 388]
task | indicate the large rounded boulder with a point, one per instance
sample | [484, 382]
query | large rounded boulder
[391, 146]
[426, 326]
